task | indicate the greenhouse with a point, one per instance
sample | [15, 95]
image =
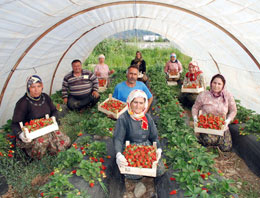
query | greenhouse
[43, 43]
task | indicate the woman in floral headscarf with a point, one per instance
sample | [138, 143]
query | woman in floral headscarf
[194, 76]
[219, 102]
[138, 128]
[34, 105]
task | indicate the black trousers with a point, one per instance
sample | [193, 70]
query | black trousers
[79, 102]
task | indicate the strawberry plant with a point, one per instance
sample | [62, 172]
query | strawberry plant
[96, 149]
[140, 156]
[69, 158]
[59, 185]
[57, 98]
[91, 171]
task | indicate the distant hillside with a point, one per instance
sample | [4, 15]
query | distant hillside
[130, 34]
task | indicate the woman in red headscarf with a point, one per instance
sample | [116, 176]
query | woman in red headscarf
[194, 76]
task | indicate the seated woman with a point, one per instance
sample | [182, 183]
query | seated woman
[34, 105]
[218, 102]
[141, 65]
[102, 70]
[173, 67]
[138, 128]
[193, 77]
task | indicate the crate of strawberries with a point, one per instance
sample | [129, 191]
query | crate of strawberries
[39, 127]
[102, 84]
[210, 124]
[191, 88]
[112, 106]
[174, 74]
[141, 160]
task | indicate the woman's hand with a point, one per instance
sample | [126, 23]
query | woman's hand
[158, 154]
[24, 139]
[121, 160]
[195, 120]
[227, 121]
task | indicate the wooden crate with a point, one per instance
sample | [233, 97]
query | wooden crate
[42, 131]
[103, 89]
[115, 115]
[151, 172]
[172, 83]
[174, 76]
[192, 90]
[210, 131]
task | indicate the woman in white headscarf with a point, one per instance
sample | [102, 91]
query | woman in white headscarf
[138, 128]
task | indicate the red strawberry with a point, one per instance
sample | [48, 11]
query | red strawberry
[172, 179]
[174, 192]
[91, 185]
[74, 171]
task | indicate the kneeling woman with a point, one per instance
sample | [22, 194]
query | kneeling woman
[138, 128]
[34, 105]
[218, 102]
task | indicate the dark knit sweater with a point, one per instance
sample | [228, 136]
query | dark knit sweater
[27, 109]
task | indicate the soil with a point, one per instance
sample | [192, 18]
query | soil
[233, 167]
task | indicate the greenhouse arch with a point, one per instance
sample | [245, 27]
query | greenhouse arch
[189, 37]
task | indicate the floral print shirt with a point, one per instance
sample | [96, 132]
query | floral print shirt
[170, 66]
[219, 106]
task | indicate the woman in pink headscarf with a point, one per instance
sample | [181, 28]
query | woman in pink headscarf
[219, 102]
[137, 127]
[173, 67]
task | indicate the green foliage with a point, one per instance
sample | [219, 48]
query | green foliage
[69, 158]
[19, 173]
[119, 55]
[84, 140]
[96, 149]
[59, 185]
[89, 171]
[243, 113]
[57, 98]
[7, 127]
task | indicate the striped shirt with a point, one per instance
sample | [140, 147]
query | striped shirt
[78, 86]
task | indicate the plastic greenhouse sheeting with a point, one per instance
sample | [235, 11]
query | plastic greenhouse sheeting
[43, 37]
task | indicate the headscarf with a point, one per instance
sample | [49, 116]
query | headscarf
[101, 56]
[31, 80]
[173, 55]
[223, 91]
[193, 77]
[141, 116]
